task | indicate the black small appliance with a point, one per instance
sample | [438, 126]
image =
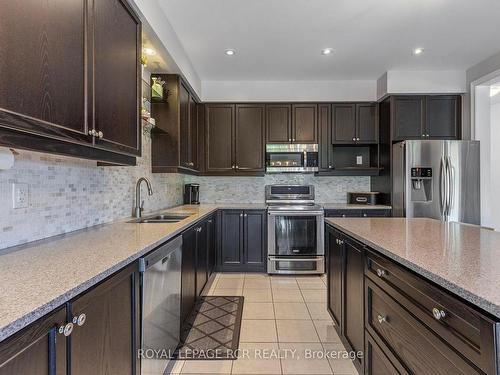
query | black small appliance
[192, 194]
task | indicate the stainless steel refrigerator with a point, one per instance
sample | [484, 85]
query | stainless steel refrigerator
[436, 179]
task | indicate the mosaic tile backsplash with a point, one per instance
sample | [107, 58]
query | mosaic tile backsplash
[67, 194]
[251, 189]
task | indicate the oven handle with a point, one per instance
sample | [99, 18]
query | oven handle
[295, 213]
[278, 258]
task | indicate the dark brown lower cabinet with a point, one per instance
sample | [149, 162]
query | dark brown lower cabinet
[201, 257]
[376, 362]
[243, 240]
[107, 342]
[188, 274]
[37, 350]
[334, 274]
[212, 245]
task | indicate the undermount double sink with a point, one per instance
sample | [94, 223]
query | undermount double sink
[162, 218]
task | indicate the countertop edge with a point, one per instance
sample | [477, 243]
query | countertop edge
[477, 301]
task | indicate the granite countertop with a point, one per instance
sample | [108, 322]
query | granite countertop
[348, 206]
[464, 259]
[39, 277]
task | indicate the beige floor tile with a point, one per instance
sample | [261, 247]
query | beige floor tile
[260, 276]
[257, 295]
[231, 275]
[326, 331]
[312, 285]
[257, 283]
[229, 283]
[314, 295]
[227, 292]
[258, 331]
[258, 310]
[284, 283]
[296, 331]
[258, 360]
[155, 367]
[307, 279]
[339, 365]
[207, 367]
[287, 295]
[318, 311]
[291, 310]
[307, 359]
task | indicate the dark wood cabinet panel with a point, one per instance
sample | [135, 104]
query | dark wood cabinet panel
[219, 137]
[304, 123]
[443, 116]
[344, 123]
[116, 75]
[366, 123]
[335, 274]
[353, 297]
[249, 138]
[184, 136]
[376, 362]
[212, 245]
[232, 237]
[278, 123]
[201, 257]
[43, 65]
[408, 114]
[188, 272]
[325, 137]
[255, 238]
[193, 134]
[36, 350]
[109, 339]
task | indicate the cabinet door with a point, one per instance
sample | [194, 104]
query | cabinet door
[335, 276]
[325, 136]
[305, 123]
[219, 138]
[184, 126]
[231, 238]
[212, 245]
[249, 138]
[106, 342]
[188, 273]
[193, 133]
[42, 66]
[35, 350]
[353, 315]
[116, 72]
[443, 117]
[278, 123]
[376, 362]
[343, 123]
[201, 257]
[366, 120]
[254, 239]
[408, 117]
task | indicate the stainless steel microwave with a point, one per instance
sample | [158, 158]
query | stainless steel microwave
[298, 158]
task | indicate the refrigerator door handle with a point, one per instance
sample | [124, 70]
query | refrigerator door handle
[442, 187]
[451, 186]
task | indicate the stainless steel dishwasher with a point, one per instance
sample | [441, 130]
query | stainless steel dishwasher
[161, 305]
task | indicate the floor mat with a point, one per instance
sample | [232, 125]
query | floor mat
[212, 331]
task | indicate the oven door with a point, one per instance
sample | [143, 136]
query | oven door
[300, 265]
[292, 233]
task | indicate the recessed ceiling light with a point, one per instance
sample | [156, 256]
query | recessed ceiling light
[149, 51]
[327, 51]
[418, 51]
[230, 52]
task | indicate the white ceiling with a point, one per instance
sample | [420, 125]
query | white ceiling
[282, 39]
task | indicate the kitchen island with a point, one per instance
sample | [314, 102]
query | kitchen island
[416, 295]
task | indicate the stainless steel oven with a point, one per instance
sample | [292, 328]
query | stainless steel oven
[295, 230]
[291, 158]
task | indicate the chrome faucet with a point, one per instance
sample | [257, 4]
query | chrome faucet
[140, 206]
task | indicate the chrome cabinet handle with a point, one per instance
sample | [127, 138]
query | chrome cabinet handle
[365, 215]
[233, 166]
[199, 229]
[289, 139]
[381, 319]
[100, 134]
[438, 314]
[381, 272]
[245, 215]
[237, 167]
[93, 133]
[329, 167]
[343, 215]
[241, 215]
[354, 139]
[66, 329]
[80, 319]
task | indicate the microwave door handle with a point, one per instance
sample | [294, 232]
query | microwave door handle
[305, 159]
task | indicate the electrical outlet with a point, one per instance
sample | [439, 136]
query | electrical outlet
[20, 195]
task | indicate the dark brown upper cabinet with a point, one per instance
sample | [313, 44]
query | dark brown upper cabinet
[70, 82]
[278, 123]
[304, 123]
[234, 139]
[325, 137]
[175, 138]
[425, 117]
[291, 123]
[354, 123]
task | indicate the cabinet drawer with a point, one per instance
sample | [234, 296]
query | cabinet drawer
[377, 362]
[462, 327]
[342, 213]
[412, 343]
[376, 212]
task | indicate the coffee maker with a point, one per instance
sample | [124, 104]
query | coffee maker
[192, 194]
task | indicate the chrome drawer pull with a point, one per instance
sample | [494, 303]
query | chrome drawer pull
[67, 329]
[438, 314]
[381, 319]
[381, 272]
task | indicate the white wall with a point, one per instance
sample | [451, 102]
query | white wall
[493, 205]
[248, 91]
